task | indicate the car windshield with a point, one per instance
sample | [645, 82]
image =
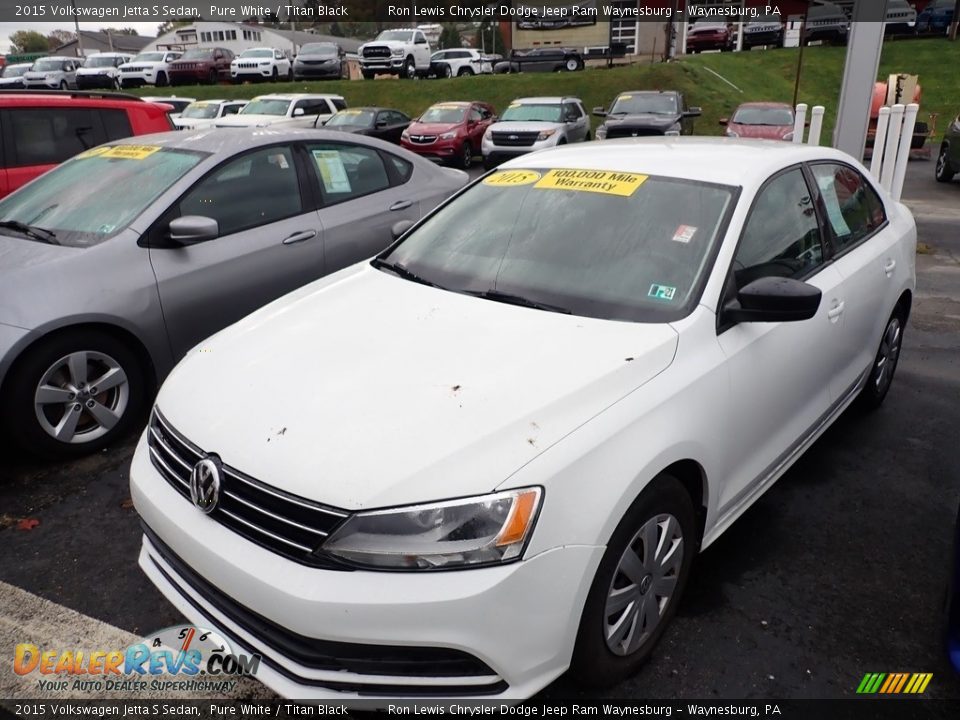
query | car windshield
[149, 57]
[399, 35]
[642, 103]
[98, 193]
[351, 117]
[763, 116]
[768, 20]
[444, 114]
[707, 27]
[596, 243]
[14, 70]
[200, 110]
[257, 54]
[532, 113]
[266, 106]
[197, 54]
[48, 65]
[319, 49]
[100, 61]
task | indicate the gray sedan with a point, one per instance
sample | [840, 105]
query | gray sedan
[117, 262]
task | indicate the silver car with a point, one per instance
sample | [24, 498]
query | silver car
[535, 123]
[53, 73]
[123, 258]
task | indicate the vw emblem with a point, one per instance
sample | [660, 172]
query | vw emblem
[205, 483]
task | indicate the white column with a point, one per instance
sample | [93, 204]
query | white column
[903, 155]
[816, 123]
[893, 147]
[799, 123]
[879, 142]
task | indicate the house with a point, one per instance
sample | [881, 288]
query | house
[97, 42]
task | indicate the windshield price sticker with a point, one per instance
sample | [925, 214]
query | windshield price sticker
[332, 171]
[596, 181]
[94, 152]
[130, 152]
[509, 178]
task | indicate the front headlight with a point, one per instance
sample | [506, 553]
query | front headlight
[731, 133]
[449, 135]
[789, 136]
[405, 135]
[487, 135]
[544, 134]
[264, 63]
[470, 532]
[602, 132]
[397, 52]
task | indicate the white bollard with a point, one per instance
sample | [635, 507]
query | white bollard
[879, 142]
[816, 124]
[799, 123]
[892, 149]
[903, 155]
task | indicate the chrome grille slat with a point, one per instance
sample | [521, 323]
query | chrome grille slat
[157, 459]
[239, 499]
[249, 481]
[264, 532]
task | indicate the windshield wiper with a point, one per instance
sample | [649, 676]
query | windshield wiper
[31, 231]
[511, 299]
[402, 271]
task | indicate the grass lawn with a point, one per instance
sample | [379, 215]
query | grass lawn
[760, 75]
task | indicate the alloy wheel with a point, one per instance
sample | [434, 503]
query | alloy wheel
[888, 355]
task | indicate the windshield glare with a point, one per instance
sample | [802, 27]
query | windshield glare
[202, 110]
[96, 61]
[763, 116]
[257, 54]
[532, 113]
[14, 70]
[266, 106]
[197, 54]
[637, 104]
[351, 117]
[608, 245]
[149, 57]
[319, 49]
[444, 114]
[47, 65]
[401, 35]
[89, 199]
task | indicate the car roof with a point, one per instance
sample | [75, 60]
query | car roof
[108, 54]
[57, 57]
[546, 100]
[650, 92]
[25, 98]
[262, 47]
[714, 160]
[298, 96]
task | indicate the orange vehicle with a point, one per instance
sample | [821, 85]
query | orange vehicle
[902, 89]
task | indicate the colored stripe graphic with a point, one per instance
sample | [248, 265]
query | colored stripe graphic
[894, 683]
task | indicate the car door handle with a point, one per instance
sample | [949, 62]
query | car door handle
[888, 268]
[401, 205]
[836, 311]
[299, 237]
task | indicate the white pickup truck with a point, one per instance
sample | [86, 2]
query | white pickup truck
[396, 52]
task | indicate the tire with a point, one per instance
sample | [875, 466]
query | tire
[944, 171]
[604, 655]
[466, 156]
[161, 79]
[572, 65]
[885, 362]
[447, 71]
[465, 72]
[63, 85]
[587, 137]
[409, 69]
[212, 77]
[275, 75]
[33, 427]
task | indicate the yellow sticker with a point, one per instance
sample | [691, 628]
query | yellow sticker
[598, 181]
[93, 152]
[509, 178]
[131, 152]
[625, 97]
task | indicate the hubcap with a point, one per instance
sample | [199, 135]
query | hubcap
[81, 397]
[887, 356]
[643, 584]
[942, 162]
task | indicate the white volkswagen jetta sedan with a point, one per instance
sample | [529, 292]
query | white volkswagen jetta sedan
[491, 454]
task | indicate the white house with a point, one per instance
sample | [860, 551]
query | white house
[239, 36]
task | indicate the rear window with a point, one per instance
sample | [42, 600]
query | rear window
[45, 136]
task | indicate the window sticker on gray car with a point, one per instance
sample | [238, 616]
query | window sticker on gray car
[332, 171]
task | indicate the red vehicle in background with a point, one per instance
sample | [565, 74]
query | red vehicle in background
[43, 129]
[710, 35]
[199, 66]
[450, 132]
[764, 120]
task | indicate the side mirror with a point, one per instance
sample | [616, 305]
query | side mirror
[381, 123]
[775, 299]
[599, 112]
[193, 229]
[723, 121]
[400, 227]
[297, 112]
[692, 112]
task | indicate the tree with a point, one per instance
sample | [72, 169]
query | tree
[29, 41]
[121, 31]
[166, 27]
[56, 38]
[483, 38]
[450, 37]
[335, 29]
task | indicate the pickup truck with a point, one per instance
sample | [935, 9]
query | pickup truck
[403, 52]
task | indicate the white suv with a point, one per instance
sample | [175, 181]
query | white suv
[277, 108]
[148, 68]
[459, 62]
[535, 123]
[205, 113]
[261, 63]
[102, 71]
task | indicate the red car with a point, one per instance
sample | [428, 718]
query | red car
[450, 132]
[710, 35]
[764, 120]
[42, 129]
[201, 65]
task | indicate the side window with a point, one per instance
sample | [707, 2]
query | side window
[348, 171]
[403, 168]
[313, 107]
[231, 109]
[52, 135]
[571, 112]
[258, 188]
[475, 115]
[116, 124]
[339, 103]
[782, 236]
[854, 210]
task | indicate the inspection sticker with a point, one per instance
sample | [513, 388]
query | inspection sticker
[684, 234]
[662, 292]
[597, 181]
[131, 152]
[508, 178]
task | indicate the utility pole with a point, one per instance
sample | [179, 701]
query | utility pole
[803, 33]
[956, 20]
[76, 25]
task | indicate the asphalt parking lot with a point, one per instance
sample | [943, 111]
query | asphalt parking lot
[838, 571]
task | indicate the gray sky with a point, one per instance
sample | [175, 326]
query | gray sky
[6, 28]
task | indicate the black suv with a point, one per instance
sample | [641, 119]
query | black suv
[642, 113]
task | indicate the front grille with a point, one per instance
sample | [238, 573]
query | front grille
[622, 132]
[248, 65]
[326, 655]
[285, 524]
[132, 69]
[514, 139]
[423, 139]
[377, 51]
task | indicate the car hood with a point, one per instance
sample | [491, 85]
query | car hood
[40, 75]
[363, 390]
[316, 57]
[432, 128]
[644, 120]
[26, 263]
[524, 126]
[193, 123]
[764, 132]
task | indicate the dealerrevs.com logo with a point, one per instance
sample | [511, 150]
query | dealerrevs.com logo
[183, 657]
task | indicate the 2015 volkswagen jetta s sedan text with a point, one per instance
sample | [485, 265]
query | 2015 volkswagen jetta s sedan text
[491, 454]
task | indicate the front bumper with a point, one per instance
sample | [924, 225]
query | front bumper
[251, 73]
[501, 153]
[317, 71]
[95, 81]
[192, 77]
[384, 65]
[764, 37]
[513, 626]
[52, 84]
[439, 150]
